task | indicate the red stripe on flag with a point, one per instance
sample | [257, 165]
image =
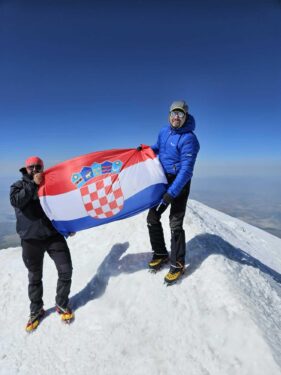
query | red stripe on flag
[57, 179]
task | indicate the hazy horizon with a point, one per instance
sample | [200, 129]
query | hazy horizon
[255, 200]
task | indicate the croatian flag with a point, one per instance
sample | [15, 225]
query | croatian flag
[101, 187]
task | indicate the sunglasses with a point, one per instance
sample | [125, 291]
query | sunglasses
[37, 167]
[174, 114]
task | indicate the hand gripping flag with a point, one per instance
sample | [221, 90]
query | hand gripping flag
[101, 187]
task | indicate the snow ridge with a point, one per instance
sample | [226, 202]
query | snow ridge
[222, 318]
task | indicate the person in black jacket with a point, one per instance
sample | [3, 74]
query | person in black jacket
[37, 237]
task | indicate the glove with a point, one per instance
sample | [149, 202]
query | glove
[139, 148]
[163, 205]
[167, 199]
[161, 208]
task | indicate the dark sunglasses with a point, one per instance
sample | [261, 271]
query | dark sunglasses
[37, 167]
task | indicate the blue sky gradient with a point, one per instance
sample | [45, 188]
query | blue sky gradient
[81, 76]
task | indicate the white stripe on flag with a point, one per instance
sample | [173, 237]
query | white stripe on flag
[69, 206]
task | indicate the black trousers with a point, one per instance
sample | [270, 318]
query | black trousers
[33, 255]
[156, 235]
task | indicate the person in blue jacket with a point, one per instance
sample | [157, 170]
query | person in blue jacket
[177, 148]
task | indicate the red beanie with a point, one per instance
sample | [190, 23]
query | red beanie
[33, 160]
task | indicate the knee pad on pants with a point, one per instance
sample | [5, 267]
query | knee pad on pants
[65, 271]
[153, 218]
[35, 277]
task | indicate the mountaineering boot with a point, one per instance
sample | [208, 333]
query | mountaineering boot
[174, 273]
[157, 261]
[34, 320]
[66, 314]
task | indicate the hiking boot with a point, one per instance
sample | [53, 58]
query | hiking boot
[34, 320]
[174, 273]
[157, 261]
[65, 313]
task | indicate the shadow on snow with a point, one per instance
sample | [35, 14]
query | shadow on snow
[198, 249]
[204, 245]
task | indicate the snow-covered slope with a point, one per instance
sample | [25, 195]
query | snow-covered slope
[222, 318]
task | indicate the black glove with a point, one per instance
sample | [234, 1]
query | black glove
[161, 208]
[163, 205]
[139, 148]
[167, 199]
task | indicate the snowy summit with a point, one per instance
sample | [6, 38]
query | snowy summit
[222, 317]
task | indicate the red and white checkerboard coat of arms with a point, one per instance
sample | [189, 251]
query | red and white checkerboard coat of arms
[102, 196]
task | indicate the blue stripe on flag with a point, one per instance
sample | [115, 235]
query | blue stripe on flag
[132, 206]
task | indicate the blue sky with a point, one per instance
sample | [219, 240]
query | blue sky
[80, 76]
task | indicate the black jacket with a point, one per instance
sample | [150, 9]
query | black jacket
[32, 222]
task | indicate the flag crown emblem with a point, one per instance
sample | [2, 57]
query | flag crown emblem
[86, 174]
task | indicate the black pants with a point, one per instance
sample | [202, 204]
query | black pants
[33, 254]
[177, 212]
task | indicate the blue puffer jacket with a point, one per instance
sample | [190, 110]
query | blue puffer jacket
[177, 150]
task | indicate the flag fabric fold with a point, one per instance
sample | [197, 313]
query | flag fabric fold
[101, 187]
